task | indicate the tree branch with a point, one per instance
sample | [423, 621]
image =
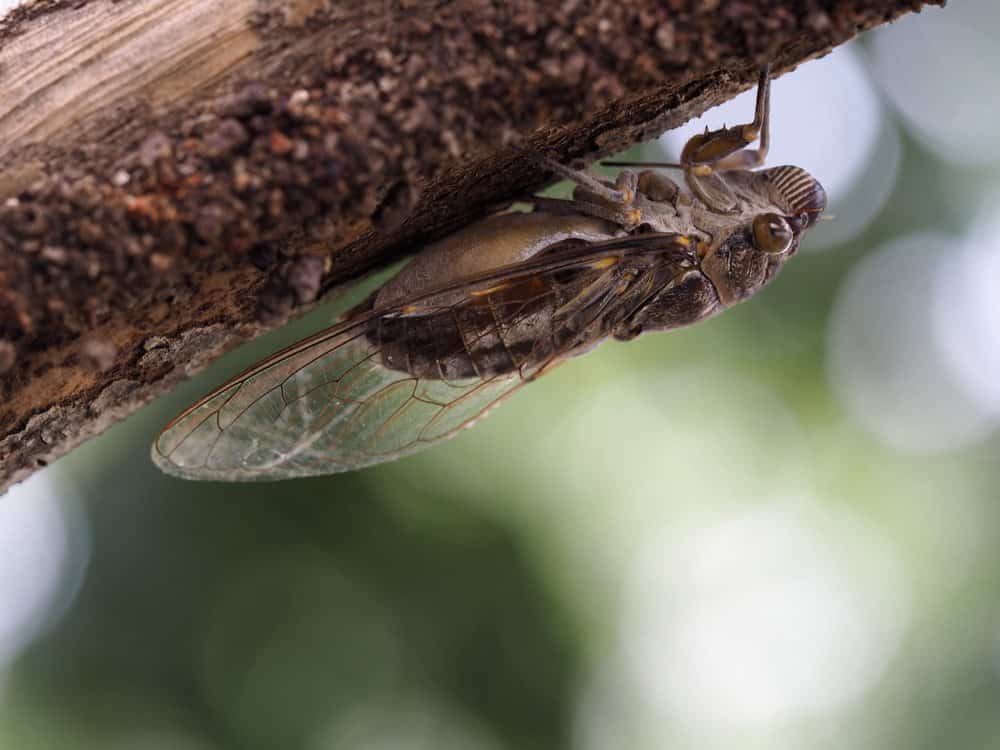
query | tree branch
[179, 175]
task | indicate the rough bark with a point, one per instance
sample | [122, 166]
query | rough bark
[179, 175]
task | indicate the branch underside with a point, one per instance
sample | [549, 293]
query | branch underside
[190, 173]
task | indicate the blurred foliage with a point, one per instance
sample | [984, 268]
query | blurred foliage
[257, 615]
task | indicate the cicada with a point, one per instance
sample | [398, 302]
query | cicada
[484, 311]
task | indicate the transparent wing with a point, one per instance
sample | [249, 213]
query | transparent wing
[330, 404]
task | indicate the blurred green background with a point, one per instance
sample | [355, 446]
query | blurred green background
[776, 529]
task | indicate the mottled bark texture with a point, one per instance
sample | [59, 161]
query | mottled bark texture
[179, 175]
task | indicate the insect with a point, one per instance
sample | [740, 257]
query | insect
[480, 313]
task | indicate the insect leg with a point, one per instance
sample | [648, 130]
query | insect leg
[625, 218]
[749, 158]
[725, 149]
[588, 181]
[596, 198]
[709, 151]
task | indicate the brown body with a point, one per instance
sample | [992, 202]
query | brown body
[523, 323]
[515, 326]
[478, 314]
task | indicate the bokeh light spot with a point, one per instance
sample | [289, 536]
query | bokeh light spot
[966, 311]
[925, 64]
[752, 623]
[885, 363]
[44, 555]
[759, 618]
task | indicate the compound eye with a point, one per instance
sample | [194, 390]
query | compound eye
[771, 233]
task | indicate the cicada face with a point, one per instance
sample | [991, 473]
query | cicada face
[787, 202]
[482, 312]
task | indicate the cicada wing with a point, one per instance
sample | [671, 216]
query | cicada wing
[324, 407]
[330, 403]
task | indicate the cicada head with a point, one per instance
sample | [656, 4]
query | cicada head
[750, 256]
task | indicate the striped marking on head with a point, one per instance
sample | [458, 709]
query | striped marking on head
[800, 190]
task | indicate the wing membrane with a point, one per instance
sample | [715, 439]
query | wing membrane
[330, 403]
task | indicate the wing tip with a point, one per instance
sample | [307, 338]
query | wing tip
[162, 461]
